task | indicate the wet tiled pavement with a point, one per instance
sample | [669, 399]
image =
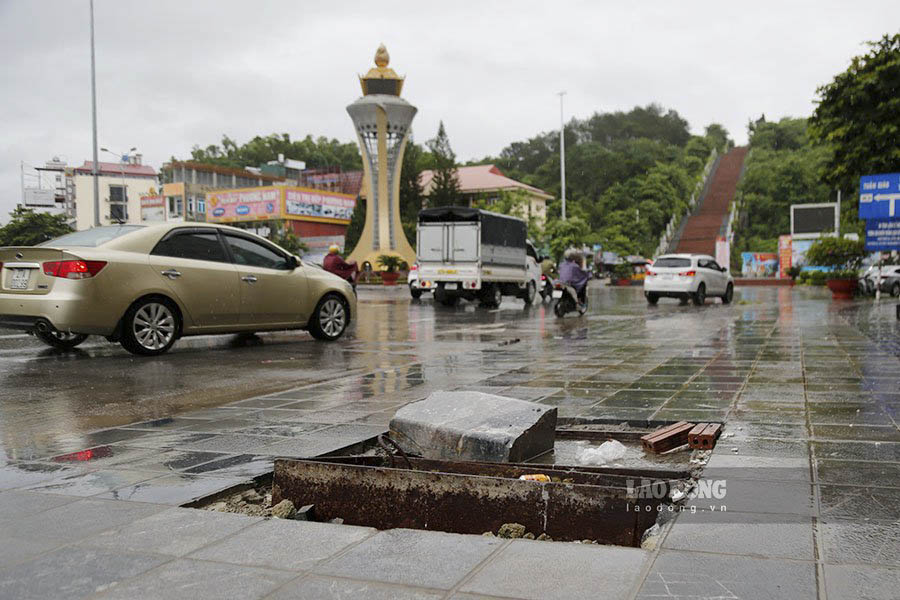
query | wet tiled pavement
[809, 390]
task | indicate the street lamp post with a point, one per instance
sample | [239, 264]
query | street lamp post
[122, 158]
[94, 170]
[562, 155]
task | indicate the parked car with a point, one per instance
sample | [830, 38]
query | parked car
[147, 286]
[889, 282]
[688, 277]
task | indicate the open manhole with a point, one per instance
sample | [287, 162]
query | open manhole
[362, 485]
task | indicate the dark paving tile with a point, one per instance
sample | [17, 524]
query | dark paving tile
[72, 573]
[868, 451]
[176, 531]
[167, 423]
[854, 472]
[764, 447]
[761, 496]
[768, 535]
[846, 582]
[679, 574]
[859, 503]
[169, 439]
[855, 542]
[197, 580]
[280, 429]
[231, 443]
[330, 588]
[696, 416]
[430, 559]
[535, 570]
[702, 403]
[222, 425]
[170, 460]
[778, 431]
[315, 404]
[173, 490]
[727, 466]
[282, 544]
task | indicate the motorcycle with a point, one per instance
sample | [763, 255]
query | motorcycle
[546, 288]
[567, 300]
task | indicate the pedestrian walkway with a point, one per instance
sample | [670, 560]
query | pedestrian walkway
[701, 229]
[810, 458]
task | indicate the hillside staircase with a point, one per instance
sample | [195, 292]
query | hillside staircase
[709, 220]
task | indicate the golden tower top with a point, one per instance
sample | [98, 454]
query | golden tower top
[381, 79]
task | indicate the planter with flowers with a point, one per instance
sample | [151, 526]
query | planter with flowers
[843, 257]
[390, 264]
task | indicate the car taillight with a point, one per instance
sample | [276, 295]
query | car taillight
[651, 274]
[687, 273]
[73, 269]
[414, 268]
[558, 285]
[543, 277]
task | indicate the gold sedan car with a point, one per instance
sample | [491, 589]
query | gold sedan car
[146, 286]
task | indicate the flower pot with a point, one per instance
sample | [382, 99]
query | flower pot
[389, 278]
[841, 289]
[623, 282]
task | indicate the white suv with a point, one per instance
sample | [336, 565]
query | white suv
[688, 276]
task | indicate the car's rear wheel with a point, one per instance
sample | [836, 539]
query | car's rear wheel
[895, 290]
[729, 294]
[150, 326]
[652, 298]
[330, 319]
[700, 295]
[530, 292]
[59, 339]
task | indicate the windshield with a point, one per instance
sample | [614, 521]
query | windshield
[91, 237]
[672, 263]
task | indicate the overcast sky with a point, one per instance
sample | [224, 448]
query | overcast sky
[172, 74]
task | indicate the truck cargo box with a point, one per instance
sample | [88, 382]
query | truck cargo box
[456, 234]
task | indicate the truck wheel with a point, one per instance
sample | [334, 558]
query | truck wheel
[415, 293]
[530, 292]
[492, 295]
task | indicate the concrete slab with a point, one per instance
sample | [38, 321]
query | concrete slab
[284, 544]
[405, 556]
[70, 573]
[185, 579]
[850, 582]
[854, 542]
[475, 426]
[177, 532]
[317, 587]
[538, 570]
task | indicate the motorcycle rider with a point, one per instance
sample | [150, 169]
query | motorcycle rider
[572, 273]
[333, 263]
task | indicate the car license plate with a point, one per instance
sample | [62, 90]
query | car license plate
[19, 280]
[449, 286]
[666, 276]
[557, 293]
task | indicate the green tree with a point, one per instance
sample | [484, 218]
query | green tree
[859, 117]
[445, 183]
[356, 225]
[411, 196]
[317, 153]
[718, 136]
[28, 228]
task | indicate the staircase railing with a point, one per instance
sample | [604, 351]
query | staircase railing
[675, 222]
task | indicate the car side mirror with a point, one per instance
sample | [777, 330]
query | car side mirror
[294, 262]
[724, 269]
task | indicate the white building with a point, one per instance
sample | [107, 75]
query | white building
[121, 187]
[49, 189]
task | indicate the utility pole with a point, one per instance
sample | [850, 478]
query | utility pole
[562, 155]
[94, 114]
[22, 173]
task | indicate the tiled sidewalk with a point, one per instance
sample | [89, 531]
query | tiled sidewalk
[810, 393]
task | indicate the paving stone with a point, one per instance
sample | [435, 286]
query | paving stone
[850, 582]
[855, 472]
[244, 465]
[197, 580]
[475, 426]
[174, 490]
[855, 542]
[538, 570]
[71, 572]
[23, 474]
[678, 574]
[282, 544]
[176, 531]
[759, 496]
[168, 461]
[329, 588]
[728, 466]
[423, 558]
[15, 504]
[231, 443]
[75, 520]
[93, 482]
[768, 535]
[16, 550]
[859, 503]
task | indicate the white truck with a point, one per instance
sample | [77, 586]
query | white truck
[474, 254]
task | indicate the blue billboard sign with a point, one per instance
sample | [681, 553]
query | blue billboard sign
[882, 234]
[879, 196]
